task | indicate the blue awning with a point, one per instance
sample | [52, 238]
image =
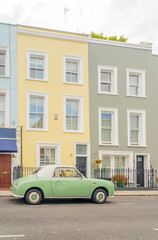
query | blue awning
[8, 145]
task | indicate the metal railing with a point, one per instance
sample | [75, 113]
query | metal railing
[122, 178]
[20, 171]
[129, 178]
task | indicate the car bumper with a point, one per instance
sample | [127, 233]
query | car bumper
[17, 196]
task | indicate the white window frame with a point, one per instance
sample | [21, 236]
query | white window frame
[113, 71]
[114, 136]
[57, 147]
[42, 54]
[87, 156]
[5, 50]
[78, 59]
[45, 118]
[80, 100]
[141, 74]
[142, 127]
[128, 159]
[5, 92]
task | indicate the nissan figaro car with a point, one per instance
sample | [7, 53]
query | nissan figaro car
[58, 181]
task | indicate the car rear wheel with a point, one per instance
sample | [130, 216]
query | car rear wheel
[33, 196]
[99, 196]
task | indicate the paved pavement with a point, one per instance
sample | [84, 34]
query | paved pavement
[117, 193]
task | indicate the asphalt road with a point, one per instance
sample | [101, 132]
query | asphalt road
[120, 218]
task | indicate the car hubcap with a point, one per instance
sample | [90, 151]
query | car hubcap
[34, 197]
[100, 196]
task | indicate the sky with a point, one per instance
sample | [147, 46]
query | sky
[137, 20]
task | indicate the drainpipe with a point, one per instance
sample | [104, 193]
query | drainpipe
[21, 153]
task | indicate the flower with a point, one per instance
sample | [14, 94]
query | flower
[120, 179]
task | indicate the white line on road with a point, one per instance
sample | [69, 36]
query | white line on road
[155, 229]
[11, 236]
[125, 204]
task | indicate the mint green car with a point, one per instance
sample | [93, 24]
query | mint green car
[58, 181]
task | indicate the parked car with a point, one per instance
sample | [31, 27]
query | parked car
[58, 181]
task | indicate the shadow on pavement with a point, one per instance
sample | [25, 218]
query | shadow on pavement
[52, 201]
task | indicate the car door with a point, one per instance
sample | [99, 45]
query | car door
[68, 182]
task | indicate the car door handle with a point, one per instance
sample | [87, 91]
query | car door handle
[56, 181]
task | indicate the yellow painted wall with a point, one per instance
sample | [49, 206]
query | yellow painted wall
[56, 89]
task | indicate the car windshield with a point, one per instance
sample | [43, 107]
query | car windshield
[36, 171]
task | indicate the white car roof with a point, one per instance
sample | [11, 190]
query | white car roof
[48, 170]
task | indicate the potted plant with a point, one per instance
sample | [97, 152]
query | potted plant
[120, 179]
[97, 163]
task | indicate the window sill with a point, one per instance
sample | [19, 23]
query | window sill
[107, 93]
[70, 83]
[67, 131]
[108, 144]
[6, 76]
[39, 80]
[143, 146]
[127, 95]
[37, 129]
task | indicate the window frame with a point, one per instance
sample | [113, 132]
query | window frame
[40, 54]
[5, 92]
[113, 71]
[72, 58]
[45, 107]
[141, 77]
[142, 127]
[112, 154]
[5, 50]
[80, 100]
[114, 131]
[57, 147]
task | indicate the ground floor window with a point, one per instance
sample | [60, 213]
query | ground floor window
[47, 156]
[48, 153]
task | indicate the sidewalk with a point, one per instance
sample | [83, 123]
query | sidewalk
[117, 193]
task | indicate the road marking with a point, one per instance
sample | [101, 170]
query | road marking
[11, 236]
[125, 204]
[155, 229]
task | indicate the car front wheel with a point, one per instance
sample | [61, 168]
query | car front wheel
[33, 196]
[99, 196]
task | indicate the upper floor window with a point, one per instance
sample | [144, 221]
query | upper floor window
[4, 62]
[107, 80]
[73, 114]
[136, 128]
[37, 111]
[108, 126]
[135, 82]
[37, 65]
[73, 69]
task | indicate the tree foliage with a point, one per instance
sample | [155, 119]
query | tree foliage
[112, 38]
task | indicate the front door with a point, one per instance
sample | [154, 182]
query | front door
[81, 164]
[140, 171]
[5, 170]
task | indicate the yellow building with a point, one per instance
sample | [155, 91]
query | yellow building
[53, 97]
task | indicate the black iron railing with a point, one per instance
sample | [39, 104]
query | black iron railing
[122, 178]
[129, 178]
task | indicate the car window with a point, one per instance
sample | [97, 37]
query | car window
[66, 172]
